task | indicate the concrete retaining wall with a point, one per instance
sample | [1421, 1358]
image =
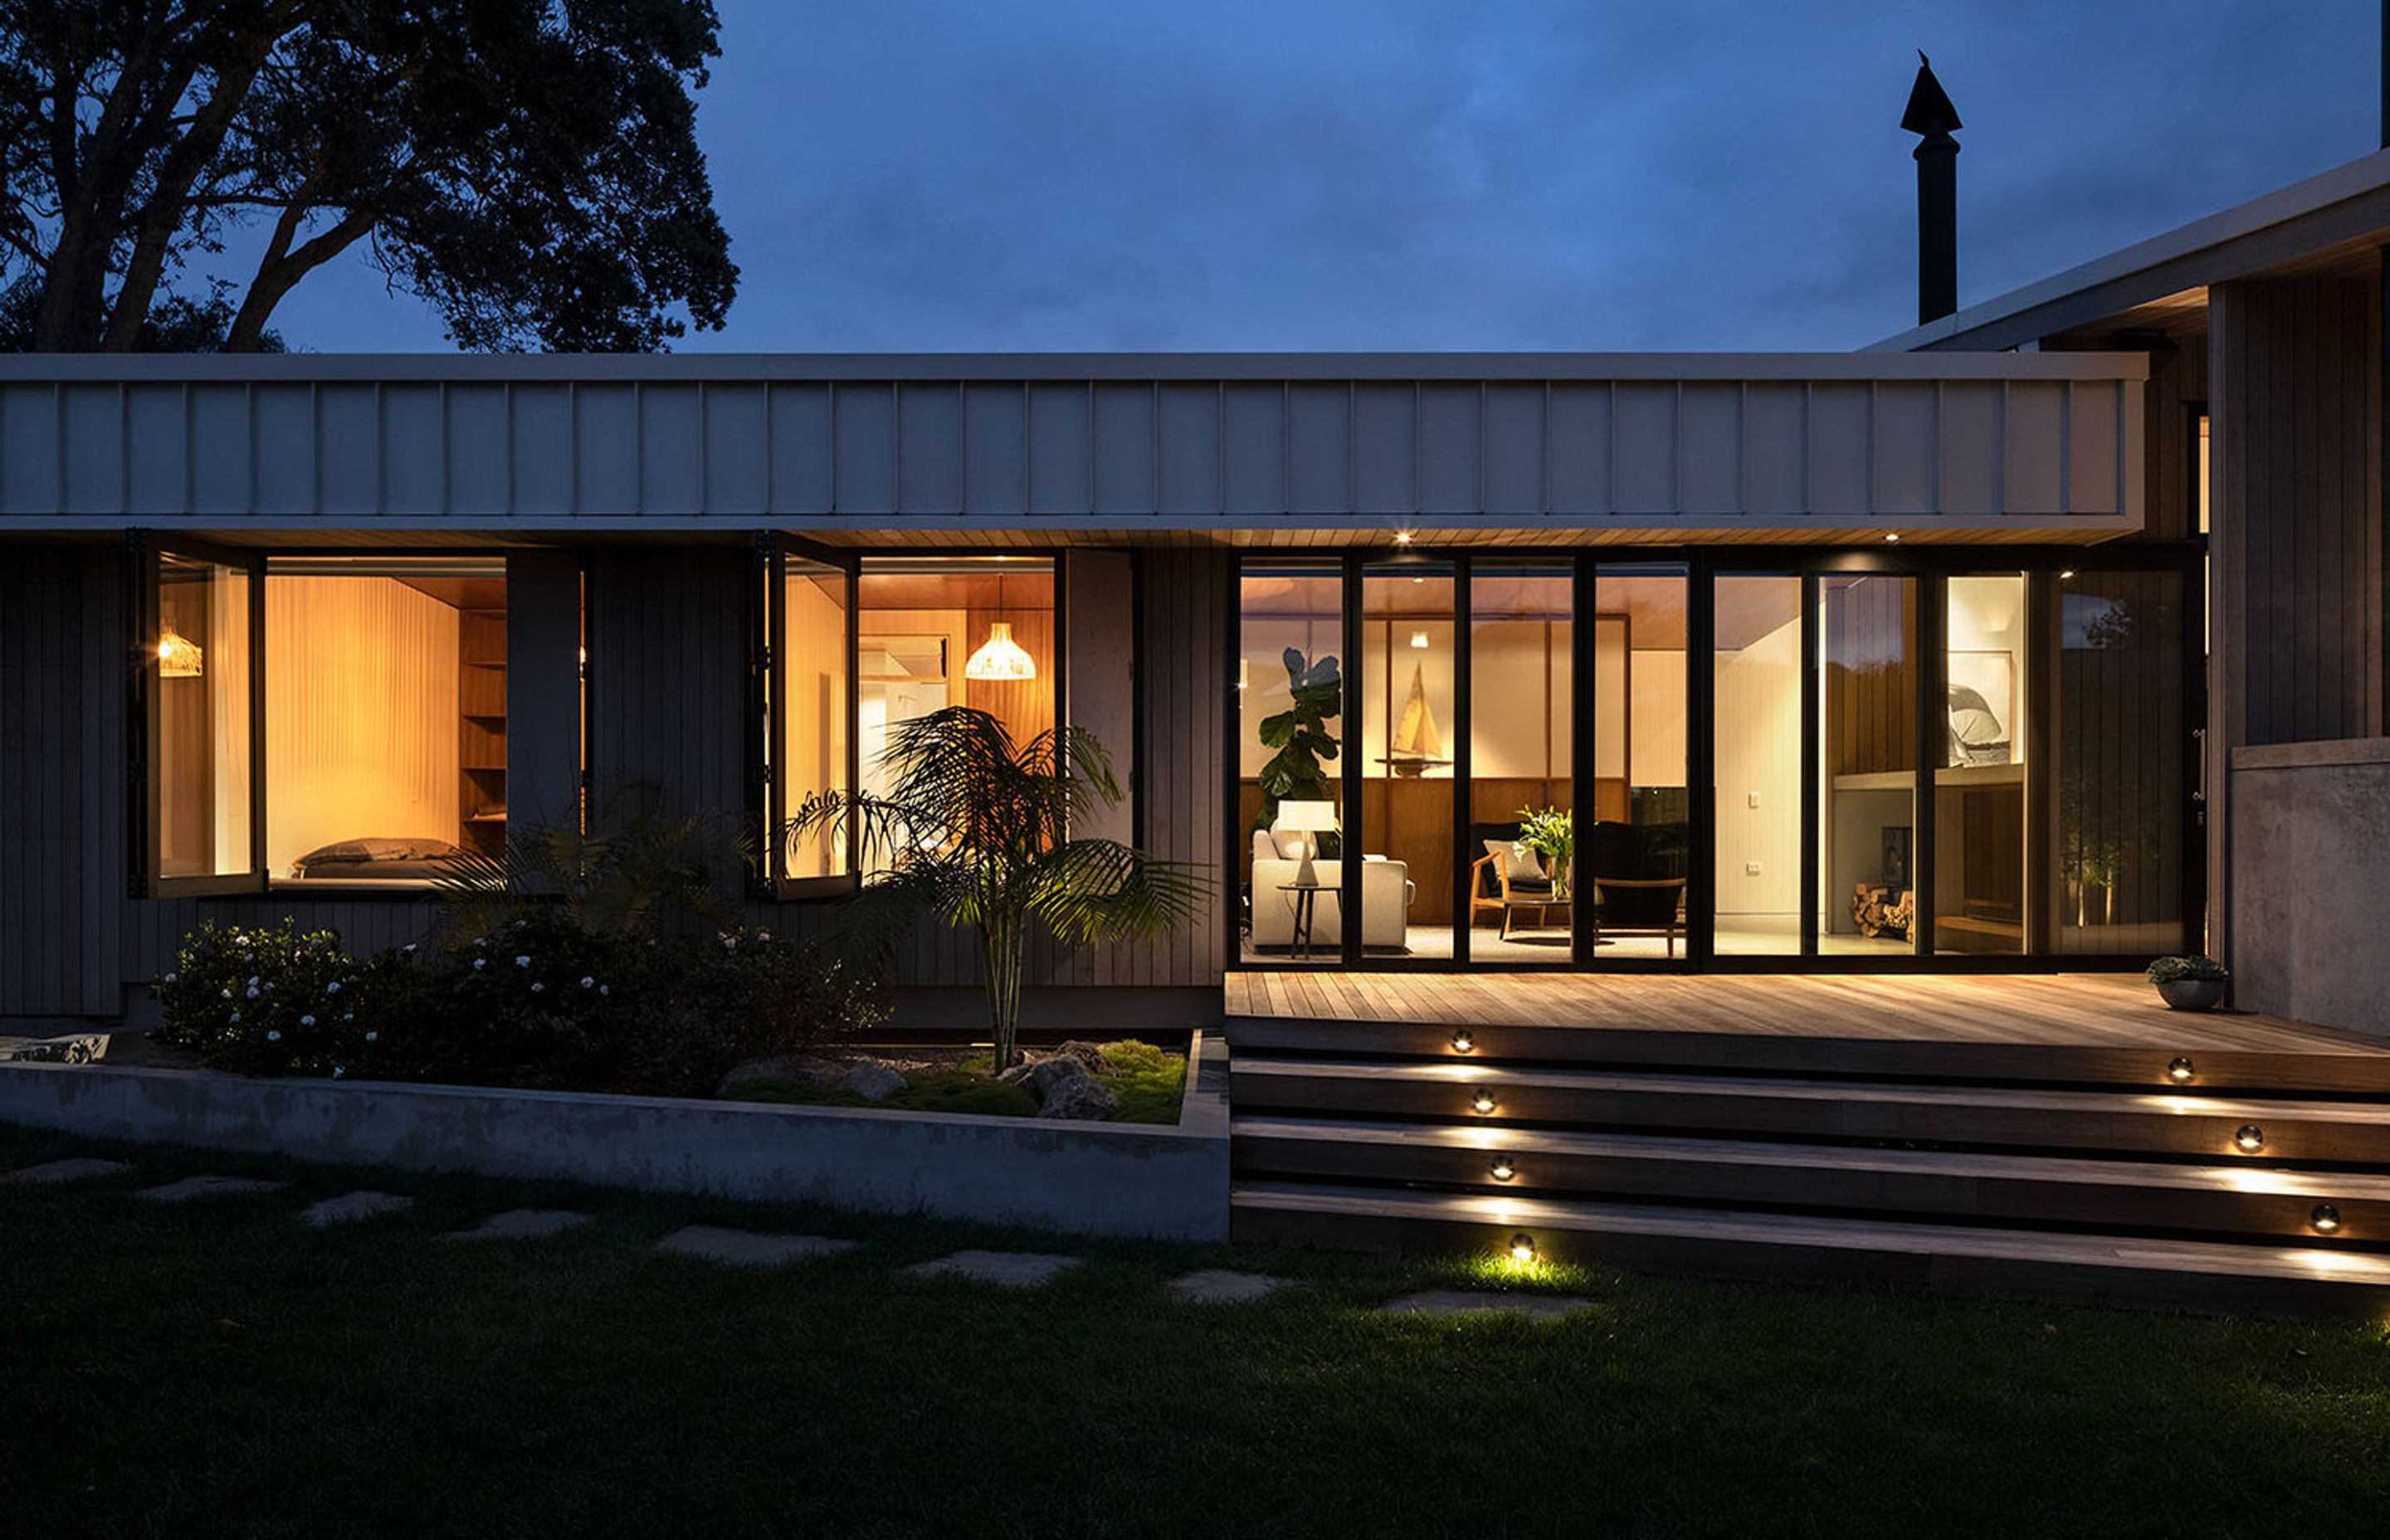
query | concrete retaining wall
[1095, 1178]
[2310, 882]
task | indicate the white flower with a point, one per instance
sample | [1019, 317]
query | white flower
[307, 1021]
[478, 962]
[170, 978]
[522, 962]
[332, 988]
[348, 1016]
[253, 991]
[763, 935]
[603, 990]
[235, 1016]
[730, 943]
[373, 1037]
[408, 950]
[226, 992]
[337, 1072]
[481, 941]
[252, 981]
[586, 981]
[274, 1037]
[536, 988]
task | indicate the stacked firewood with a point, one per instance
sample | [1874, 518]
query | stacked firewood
[1877, 911]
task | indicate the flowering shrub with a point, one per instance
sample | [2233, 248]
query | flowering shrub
[538, 1002]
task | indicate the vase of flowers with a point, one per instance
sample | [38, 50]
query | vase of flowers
[1551, 832]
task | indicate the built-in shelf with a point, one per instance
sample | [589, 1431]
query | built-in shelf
[481, 728]
[1961, 776]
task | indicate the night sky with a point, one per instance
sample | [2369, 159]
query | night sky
[1607, 174]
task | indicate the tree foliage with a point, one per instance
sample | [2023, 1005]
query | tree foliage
[530, 169]
[977, 830]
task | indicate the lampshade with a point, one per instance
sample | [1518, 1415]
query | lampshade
[1000, 657]
[1306, 817]
[178, 657]
[1419, 639]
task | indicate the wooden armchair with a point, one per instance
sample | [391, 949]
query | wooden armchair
[1493, 885]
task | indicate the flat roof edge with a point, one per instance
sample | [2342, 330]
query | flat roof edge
[800, 369]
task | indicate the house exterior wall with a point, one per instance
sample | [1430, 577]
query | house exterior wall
[2006, 446]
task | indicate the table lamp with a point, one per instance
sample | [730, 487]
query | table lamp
[1307, 818]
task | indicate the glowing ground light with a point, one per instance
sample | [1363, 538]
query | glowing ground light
[2250, 1139]
[1522, 1247]
[1463, 1040]
[2325, 1218]
[1502, 1168]
[2181, 1070]
[1483, 1101]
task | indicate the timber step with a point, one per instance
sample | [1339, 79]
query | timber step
[1947, 1186]
[2105, 1269]
[2231, 1129]
[2325, 1067]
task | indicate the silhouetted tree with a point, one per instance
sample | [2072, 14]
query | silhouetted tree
[530, 169]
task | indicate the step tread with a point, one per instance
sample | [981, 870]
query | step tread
[2281, 1263]
[1796, 1089]
[1488, 1137]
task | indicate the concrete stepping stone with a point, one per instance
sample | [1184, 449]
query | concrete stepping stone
[749, 1247]
[79, 1169]
[1448, 1303]
[352, 1206]
[524, 1224]
[1219, 1286]
[1005, 1270]
[208, 1186]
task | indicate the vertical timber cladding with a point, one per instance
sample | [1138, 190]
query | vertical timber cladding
[2297, 380]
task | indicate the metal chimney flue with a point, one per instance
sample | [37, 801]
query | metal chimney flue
[1931, 115]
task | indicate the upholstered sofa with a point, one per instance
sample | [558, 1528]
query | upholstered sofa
[1386, 892]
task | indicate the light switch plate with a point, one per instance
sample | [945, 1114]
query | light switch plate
[1751, 868]
[1753, 797]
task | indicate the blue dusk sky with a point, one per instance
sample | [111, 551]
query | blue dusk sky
[1095, 175]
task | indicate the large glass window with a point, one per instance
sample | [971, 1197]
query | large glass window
[810, 710]
[1636, 849]
[1866, 772]
[1758, 706]
[2122, 752]
[1407, 722]
[1980, 838]
[1521, 781]
[1291, 758]
[385, 716]
[959, 631]
[202, 654]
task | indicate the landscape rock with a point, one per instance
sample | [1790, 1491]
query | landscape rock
[208, 1186]
[1088, 1055]
[1219, 1286]
[352, 1206]
[749, 1247]
[77, 1048]
[76, 1169]
[1451, 1303]
[794, 1069]
[871, 1080]
[524, 1224]
[1065, 1089]
[1005, 1270]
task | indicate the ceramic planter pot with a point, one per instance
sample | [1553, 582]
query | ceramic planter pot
[2192, 993]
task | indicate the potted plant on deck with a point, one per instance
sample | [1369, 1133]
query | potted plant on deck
[2190, 984]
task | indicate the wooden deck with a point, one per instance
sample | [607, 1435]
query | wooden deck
[2070, 1010]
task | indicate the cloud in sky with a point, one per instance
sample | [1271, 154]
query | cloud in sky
[950, 174]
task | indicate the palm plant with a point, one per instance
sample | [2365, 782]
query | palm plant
[976, 830]
[634, 874]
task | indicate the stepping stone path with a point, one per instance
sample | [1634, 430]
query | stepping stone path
[1218, 1286]
[81, 1168]
[191, 1188]
[748, 1247]
[1005, 1270]
[355, 1206]
[524, 1224]
[1446, 1302]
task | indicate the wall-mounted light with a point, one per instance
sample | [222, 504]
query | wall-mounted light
[1502, 1170]
[2325, 1218]
[1484, 1102]
[2180, 1071]
[1463, 1040]
[1244, 672]
[1892, 537]
[2249, 1139]
[1419, 640]
[1522, 1247]
[178, 655]
[2066, 576]
[1401, 537]
[1000, 657]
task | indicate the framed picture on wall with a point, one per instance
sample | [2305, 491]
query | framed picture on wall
[1983, 707]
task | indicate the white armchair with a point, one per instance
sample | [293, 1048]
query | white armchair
[1386, 892]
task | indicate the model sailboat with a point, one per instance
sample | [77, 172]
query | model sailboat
[1417, 746]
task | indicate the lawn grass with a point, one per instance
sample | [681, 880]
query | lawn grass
[217, 1368]
[1151, 1085]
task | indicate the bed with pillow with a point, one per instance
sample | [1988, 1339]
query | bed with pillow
[379, 860]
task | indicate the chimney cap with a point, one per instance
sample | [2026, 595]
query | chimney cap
[1930, 111]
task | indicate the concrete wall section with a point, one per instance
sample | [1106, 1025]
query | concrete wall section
[2311, 893]
[1098, 1178]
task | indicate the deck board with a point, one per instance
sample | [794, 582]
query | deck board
[2084, 1009]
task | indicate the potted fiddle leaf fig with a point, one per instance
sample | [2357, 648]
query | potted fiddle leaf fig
[2190, 984]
